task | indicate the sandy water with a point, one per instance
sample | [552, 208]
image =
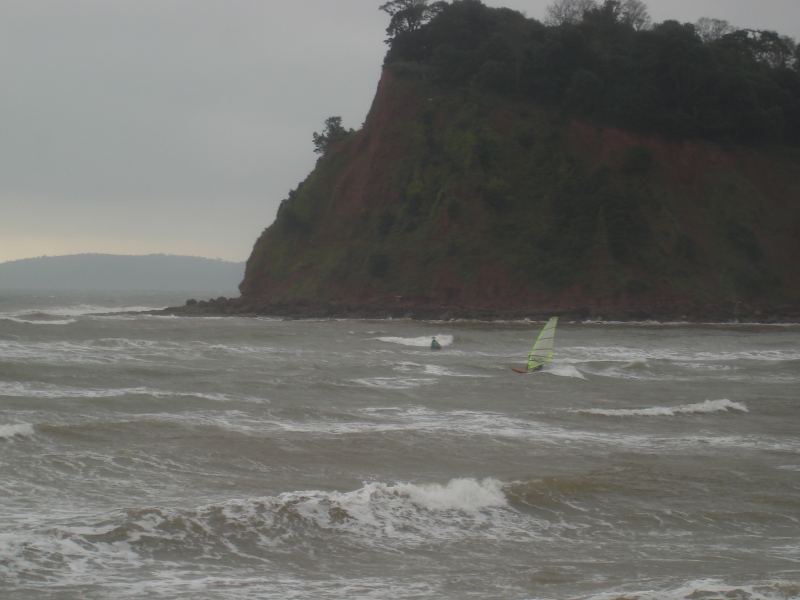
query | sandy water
[159, 457]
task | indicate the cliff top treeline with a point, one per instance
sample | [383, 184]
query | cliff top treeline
[605, 61]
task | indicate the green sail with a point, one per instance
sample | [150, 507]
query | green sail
[542, 351]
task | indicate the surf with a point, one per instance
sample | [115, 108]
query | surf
[705, 407]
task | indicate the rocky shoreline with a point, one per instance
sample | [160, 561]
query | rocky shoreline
[734, 312]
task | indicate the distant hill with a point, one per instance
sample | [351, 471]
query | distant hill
[110, 272]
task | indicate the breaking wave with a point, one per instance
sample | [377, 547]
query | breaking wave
[404, 511]
[418, 342]
[710, 589]
[706, 407]
[8, 432]
[634, 355]
[42, 390]
[563, 371]
[254, 529]
[66, 315]
[36, 319]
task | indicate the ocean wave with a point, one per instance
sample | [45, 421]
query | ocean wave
[64, 315]
[423, 420]
[563, 371]
[429, 369]
[116, 350]
[554, 492]
[397, 511]
[36, 320]
[61, 351]
[80, 310]
[418, 342]
[376, 513]
[633, 355]
[258, 532]
[49, 391]
[394, 383]
[708, 589]
[376, 421]
[9, 432]
[689, 324]
[706, 407]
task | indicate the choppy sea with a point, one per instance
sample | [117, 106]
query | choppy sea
[255, 458]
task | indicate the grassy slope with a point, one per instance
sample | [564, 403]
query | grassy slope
[471, 203]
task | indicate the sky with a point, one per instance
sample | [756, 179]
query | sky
[178, 126]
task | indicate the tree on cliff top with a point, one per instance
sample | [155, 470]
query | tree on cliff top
[630, 12]
[568, 11]
[409, 15]
[711, 30]
[333, 132]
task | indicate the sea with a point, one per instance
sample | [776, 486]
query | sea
[146, 456]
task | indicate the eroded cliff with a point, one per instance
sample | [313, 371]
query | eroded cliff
[448, 203]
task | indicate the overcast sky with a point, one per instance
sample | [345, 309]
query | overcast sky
[177, 126]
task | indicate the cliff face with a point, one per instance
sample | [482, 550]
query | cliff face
[451, 202]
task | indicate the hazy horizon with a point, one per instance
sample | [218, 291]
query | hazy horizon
[121, 272]
[144, 127]
[121, 255]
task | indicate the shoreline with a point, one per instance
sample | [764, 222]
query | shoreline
[733, 314]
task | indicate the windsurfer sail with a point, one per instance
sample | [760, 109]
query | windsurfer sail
[542, 351]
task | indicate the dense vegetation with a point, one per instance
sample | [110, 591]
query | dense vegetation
[473, 187]
[704, 80]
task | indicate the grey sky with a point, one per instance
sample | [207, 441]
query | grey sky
[177, 126]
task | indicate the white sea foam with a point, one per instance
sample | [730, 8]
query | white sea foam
[418, 342]
[32, 321]
[269, 585]
[117, 350]
[464, 494]
[627, 354]
[429, 369]
[467, 423]
[421, 419]
[8, 432]
[65, 315]
[710, 589]
[59, 351]
[563, 371]
[378, 512]
[394, 383]
[62, 558]
[377, 515]
[95, 309]
[41, 390]
[706, 407]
